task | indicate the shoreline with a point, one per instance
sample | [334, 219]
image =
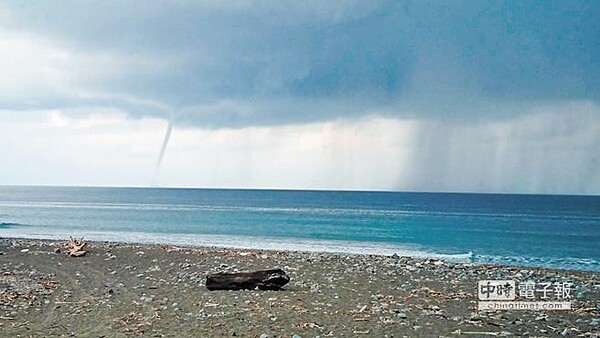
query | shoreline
[127, 289]
[250, 243]
[300, 245]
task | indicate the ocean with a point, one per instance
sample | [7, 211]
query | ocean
[526, 230]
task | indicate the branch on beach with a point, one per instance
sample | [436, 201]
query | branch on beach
[136, 322]
[75, 247]
[264, 280]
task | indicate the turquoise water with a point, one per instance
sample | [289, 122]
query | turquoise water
[527, 230]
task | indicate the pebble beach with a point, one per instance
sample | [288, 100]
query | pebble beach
[124, 290]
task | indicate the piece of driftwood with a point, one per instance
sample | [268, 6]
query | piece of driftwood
[75, 247]
[273, 279]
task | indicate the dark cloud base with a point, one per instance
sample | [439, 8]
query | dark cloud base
[262, 63]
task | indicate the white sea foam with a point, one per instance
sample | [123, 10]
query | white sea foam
[569, 263]
[246, 242]
[305, 245]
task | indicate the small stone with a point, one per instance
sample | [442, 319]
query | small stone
[296, 336]
[264, 335]
[57, 250]
[25, 250]
[401, 315]
[595, 322]
[475, 317]
[566, 332]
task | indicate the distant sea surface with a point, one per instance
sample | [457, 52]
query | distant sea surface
[526, 230]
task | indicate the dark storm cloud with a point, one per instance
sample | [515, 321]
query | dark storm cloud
[232, 64]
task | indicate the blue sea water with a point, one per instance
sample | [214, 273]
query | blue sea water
[527, 230]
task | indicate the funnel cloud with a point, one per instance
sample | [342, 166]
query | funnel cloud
[161, 154]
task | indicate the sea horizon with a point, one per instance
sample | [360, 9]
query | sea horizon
[468, 192]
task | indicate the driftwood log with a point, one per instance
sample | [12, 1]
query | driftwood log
[273, 279]
[75, 247]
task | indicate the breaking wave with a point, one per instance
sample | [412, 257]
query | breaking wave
[568, 263]
[256, 243]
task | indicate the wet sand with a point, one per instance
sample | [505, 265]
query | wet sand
[122, 290]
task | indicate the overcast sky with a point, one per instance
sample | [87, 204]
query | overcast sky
[482, 96]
